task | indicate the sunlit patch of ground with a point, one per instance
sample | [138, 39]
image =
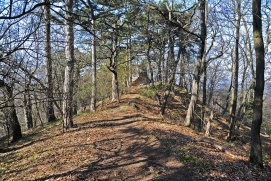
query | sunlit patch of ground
[131, 141]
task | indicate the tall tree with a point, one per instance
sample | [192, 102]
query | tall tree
[90, 27]
[113, 65]
[149, 42]
[171, 35]
[256, 146]
[198, 66]
[235, 70]
[50, 115]
[69, 52]
[93, 63]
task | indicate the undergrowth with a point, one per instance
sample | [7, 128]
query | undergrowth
[195, 161]
[2, 172]
[150, 92]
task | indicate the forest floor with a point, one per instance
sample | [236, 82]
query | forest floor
[132, 141]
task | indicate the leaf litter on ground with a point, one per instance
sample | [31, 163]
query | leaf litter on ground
[119, 142]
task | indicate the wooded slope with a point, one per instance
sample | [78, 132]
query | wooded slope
[131, 141]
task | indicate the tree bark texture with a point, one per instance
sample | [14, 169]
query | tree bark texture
[148, 51]
[94, 69]
[208, 123]
[37, 105]
[198, 67]
[235, 71]
[12, 115]
[182, 81]
[113, 68]
[149, 62]
[159, 66]
[169, 86]
[256, 146]
[204, 92]
[50, 114]
[129, 44]
[115, 87]
[69, 52]
[28, 107]
[171, 61]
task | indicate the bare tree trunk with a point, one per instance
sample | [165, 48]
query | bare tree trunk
[37, 108]
[182, 72]
[235, 71]
[16, 127]
[74, 109]
[243, 96]
[12, 115]
[244, 102]
[212, 84]
[171, 58]
[159, 66]
[197, 69]
[256, 146]
[68, 82]
[94, 74]
[181, 59]
[171, 62]
[50, 114]
[113, 67]
[149, 62]
[246, 95]
[28, 106]
[115, 86]
[130, 58]
[165, 70]
[148, 51]
[225, 110]
[150, 66]
[130, 79]
[6, 125]
[204, 93]
[209, 121]
[171, 82]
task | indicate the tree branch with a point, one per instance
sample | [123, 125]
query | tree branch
[24, 11]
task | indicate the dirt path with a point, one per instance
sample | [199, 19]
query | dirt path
[127, 151]
[124, 148]
[115, 144]
[124, 142]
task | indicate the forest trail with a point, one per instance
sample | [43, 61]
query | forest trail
[128, 141]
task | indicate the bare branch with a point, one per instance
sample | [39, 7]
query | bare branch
[24, 12]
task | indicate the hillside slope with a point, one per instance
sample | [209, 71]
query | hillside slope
[131, 141]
